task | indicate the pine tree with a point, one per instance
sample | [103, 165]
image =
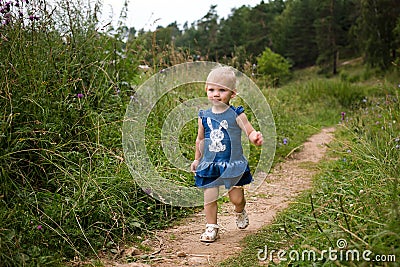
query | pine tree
[377, 25]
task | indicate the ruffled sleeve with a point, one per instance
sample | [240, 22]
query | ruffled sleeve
[239, 110]
[201, 113]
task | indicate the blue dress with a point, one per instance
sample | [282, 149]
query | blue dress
[223, 162]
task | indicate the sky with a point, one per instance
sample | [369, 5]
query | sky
[148, 14]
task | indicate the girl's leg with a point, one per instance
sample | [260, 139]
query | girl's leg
[236, 196]
[210, 204]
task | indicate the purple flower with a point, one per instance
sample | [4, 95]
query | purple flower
[148, 191]
[39, 227]
[343, 114]
[79, 95]
[5, 9]
[348, 150]
[32, 18]
[285, 141]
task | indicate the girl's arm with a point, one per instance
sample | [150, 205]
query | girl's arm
[199, 146]
[254, 136]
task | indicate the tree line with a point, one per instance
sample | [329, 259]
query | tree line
[305, 32]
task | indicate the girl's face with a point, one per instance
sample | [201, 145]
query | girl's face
[219, 95]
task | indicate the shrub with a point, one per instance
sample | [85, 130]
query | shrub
[273, 66]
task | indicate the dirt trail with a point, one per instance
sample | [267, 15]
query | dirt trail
[180, 245]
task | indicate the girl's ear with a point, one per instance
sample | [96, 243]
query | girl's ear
[233, 94]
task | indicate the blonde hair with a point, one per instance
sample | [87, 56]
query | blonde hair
[223, 76]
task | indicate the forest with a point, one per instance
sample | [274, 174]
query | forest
[67, 194]
[306, 33]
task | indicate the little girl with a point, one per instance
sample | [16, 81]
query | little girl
[219, 156]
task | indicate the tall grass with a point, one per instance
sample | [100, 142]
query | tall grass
[301, 108]
[65, 189]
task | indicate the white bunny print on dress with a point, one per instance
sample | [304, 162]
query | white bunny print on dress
[217, 136]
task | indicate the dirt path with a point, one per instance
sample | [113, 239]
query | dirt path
[180, 245]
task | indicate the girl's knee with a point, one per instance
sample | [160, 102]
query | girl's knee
[236, 196]
[211, 195]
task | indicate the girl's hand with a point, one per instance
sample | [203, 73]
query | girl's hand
[194, 165]
[256, 138]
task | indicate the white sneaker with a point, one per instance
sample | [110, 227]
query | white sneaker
[242, 220]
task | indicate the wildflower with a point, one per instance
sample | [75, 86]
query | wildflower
[343, 114]
[79, 95]
[397, 146]
[348, 150]
[32, 18]
[397, 139]
[39, 227]
[148, 191]
[361, 191]
[6, 8]
[285, 141]
[364, 100]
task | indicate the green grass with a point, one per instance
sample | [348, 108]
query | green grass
[302, 108]
[66, 191]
